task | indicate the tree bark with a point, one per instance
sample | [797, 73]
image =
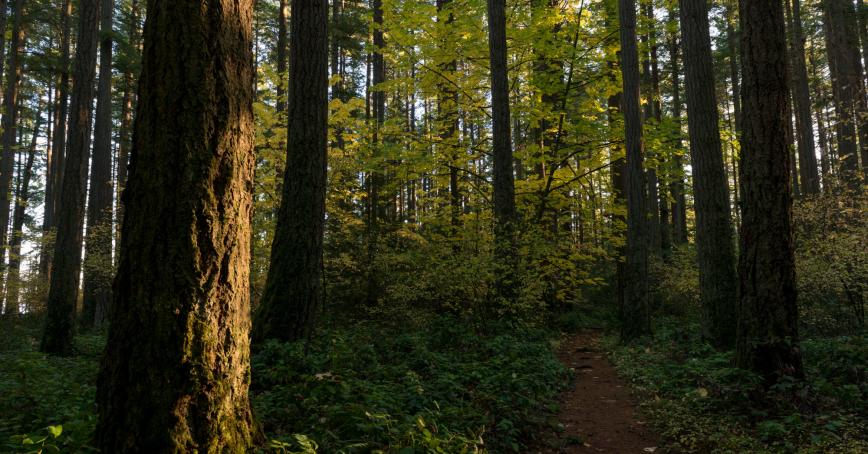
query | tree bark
[768, 319]
[57, 338]
[294, 290]
[714, 235]
[175, 373]
[447, 111]
[808, 172]
[22, 198]
[842, 46]
[127, 102]
[10, 121]
[98, 245]
[679, 200]
[503, 178]
[635, 317]
[56, 165]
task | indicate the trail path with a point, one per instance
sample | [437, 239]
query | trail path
[597, 413]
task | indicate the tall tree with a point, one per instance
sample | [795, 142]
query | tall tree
[635, 317]
[176, 372]
[63, 288]
[679, 202]
[842, 46]
[127, 101]
[293, 290]
[10, 120]
[714, 235]
[447, 110]
[21, 199]
[808, 171]
[57, 159]
[503, 178]
[98, 246]
[768, 318]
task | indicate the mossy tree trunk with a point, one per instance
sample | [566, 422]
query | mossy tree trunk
[175, 374]
[294, 289]
[768, 318]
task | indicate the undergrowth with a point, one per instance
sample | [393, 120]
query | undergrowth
[700, 403]
[431, 386]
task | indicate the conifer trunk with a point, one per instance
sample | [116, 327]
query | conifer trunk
[98, 246]
[768, 318]
[63, 288]
[714, 235]
[293, 291]
[175, 374]
[635, 317]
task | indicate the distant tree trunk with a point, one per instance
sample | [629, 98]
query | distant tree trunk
[652, 200]
[714, 236]
[503, 182]
[679, 202]
[282, 13]
[635, 317]
[63, 288]
[732, 41]
[125, 142]
[664, 167]
[447, 110]
[374, 179]
[98, 246]
[842, 46]
[176, 370]
[10, 121]
[825, 146]
[3, 24]
[293, 290]
[23, 196]
[768, 323]
[56, 165]
[862, 11]
[808, 172]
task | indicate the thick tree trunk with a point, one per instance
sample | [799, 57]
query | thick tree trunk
[293, 290]
[10, 121]
[768, 318]
[842, 46]
[56, 165]
[21, 199]
[63, 288]
[808, 172]
[635, 317]
[503, 178]
[98, 246]
[714, 235]
[175, 374]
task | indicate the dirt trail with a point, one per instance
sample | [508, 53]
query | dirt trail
[597, 413]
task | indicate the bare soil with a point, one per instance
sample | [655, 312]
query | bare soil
[597, 414]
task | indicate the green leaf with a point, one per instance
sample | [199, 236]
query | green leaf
[55, 431]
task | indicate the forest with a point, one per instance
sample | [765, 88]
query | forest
[433, 226]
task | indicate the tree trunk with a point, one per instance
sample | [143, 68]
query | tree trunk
[56, 165]
[282, 14]
[447, 111]
[127, 102]
[714, 236]
[768, 319]
[374, 180]
[175, 374]
[503, 182]
[635, 317]
[63, 289]
[808, 172]
[10, 121]
[98, 246]
[842, 46]
[679, 202]
[23, 196]
[652, 200]
[293, 290]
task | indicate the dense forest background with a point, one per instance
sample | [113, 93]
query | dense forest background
[440, 192]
